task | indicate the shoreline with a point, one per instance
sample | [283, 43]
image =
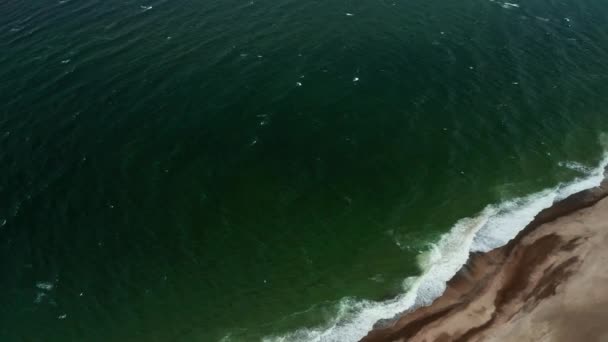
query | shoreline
[509, 287]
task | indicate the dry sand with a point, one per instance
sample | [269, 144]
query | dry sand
[550, 283]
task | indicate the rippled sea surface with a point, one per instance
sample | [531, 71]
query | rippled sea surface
[240, 170]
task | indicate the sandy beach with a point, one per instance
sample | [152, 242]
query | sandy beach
[550, 283]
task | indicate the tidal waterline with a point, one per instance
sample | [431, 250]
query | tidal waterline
[180, 171]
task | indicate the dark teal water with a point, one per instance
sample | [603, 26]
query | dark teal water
[189, 171]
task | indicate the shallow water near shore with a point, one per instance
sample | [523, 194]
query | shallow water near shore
[239, 171]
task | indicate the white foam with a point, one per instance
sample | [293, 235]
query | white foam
[576, 167]
[506, 5]
[493, 227]
[39, 297]
[44, 285]
[510, 5]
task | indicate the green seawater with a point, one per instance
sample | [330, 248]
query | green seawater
[207, 170]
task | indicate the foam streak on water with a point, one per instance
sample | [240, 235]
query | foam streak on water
[491, 228]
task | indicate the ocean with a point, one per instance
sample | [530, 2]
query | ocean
[283, 170]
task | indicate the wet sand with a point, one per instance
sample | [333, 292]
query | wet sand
[550, 283]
